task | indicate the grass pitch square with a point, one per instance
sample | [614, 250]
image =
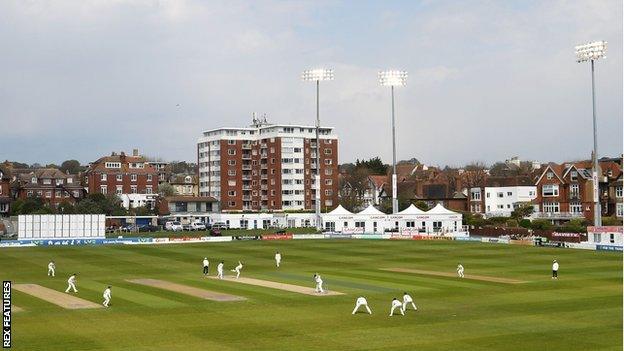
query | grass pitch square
[580, 311]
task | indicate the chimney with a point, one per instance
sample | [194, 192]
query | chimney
[113, 153]
[122, 154]
[135, 152]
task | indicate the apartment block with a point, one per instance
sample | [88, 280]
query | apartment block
[268, 167]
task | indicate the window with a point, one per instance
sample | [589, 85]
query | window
[410, 224]
[119, 190]
[328, 182]
[500, 194]
[509, 193]
[148, 189]
[612, 238]
[112, 164]
[103, 177]
[231, 172]
[550, 190]
[576, 207]
[619, 210]
[231, 192]
[57, 193]
[59, 181]
[133, 189]
[119, 177]
[328, 151]
[231, 142]
[328, 192]
[328, 171]
[133, 177]
[475, 194]
[149, 177]
[574, 190]
[359, 224]
[551, 207]
[573, 175]
[232, 203]
[231, 182]
[48, 194]
[549, 175]
[231, 152]
[618, 191]
[103, 189]
[272, 150]
[328, 161]
[597, 237]
[29, 193]
[231, 162]
[70, 180]
[47, 181]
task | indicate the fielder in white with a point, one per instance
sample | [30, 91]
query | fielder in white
[407, 299]
[237, 269]
[107, 296]
[206, 266]
[71, 283]
[278, 258]
[220, 270]
[460, 270]
[361, 301]
[555, 270]
[51, 268]
[396, 304]
[319, 284]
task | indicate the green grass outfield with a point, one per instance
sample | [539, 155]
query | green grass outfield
[580, 311]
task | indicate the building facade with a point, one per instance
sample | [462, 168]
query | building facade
[185, 185]
[121, 174]
[268, 167]
[5, 192]
[50, 185]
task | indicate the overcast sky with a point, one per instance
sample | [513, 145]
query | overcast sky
[487, 79]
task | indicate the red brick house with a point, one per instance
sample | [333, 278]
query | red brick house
[5, 192]
[49, 184]
[566, 191]
[121, 174]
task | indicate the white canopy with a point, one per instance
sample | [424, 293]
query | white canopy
[339, 211]
[371, 210]
[412, 210]
[440, 210]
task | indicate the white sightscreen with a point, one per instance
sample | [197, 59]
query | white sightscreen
[60, 226]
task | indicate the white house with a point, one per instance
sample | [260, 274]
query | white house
[501, 201]
[606, 236]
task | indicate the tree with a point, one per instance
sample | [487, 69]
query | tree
[499, 169]
[474, 176]
[420, 204]
[166, 189]
[374, 166]
[65, 207]
[575, 225]
[71, 167]
[32, 205]
[51, 165]
[541, 224]
[352, 189]
[523, 210]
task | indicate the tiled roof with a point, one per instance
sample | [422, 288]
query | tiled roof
[379, 180]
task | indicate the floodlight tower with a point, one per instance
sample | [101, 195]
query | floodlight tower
[392, 79]
[592, 52]
[317, 75]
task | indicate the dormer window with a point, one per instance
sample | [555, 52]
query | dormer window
[549, 175]
[187, 179]
[47, 181]
[59, 181]
[70, 180]
[574, 175]
[33, 180]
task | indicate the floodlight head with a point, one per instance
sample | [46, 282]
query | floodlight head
[591, 51]
[393, 78]
[313, 75]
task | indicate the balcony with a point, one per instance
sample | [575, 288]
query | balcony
[556, 215]
[246, 187]
[264, 198]
[246, 146]
[246, 156]
[246, 167]
[264, 176]
[246, 198]
[263, 187]
[246, 177]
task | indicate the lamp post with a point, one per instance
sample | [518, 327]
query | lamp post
[592, 52]
[317, 75]
[392, 79]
